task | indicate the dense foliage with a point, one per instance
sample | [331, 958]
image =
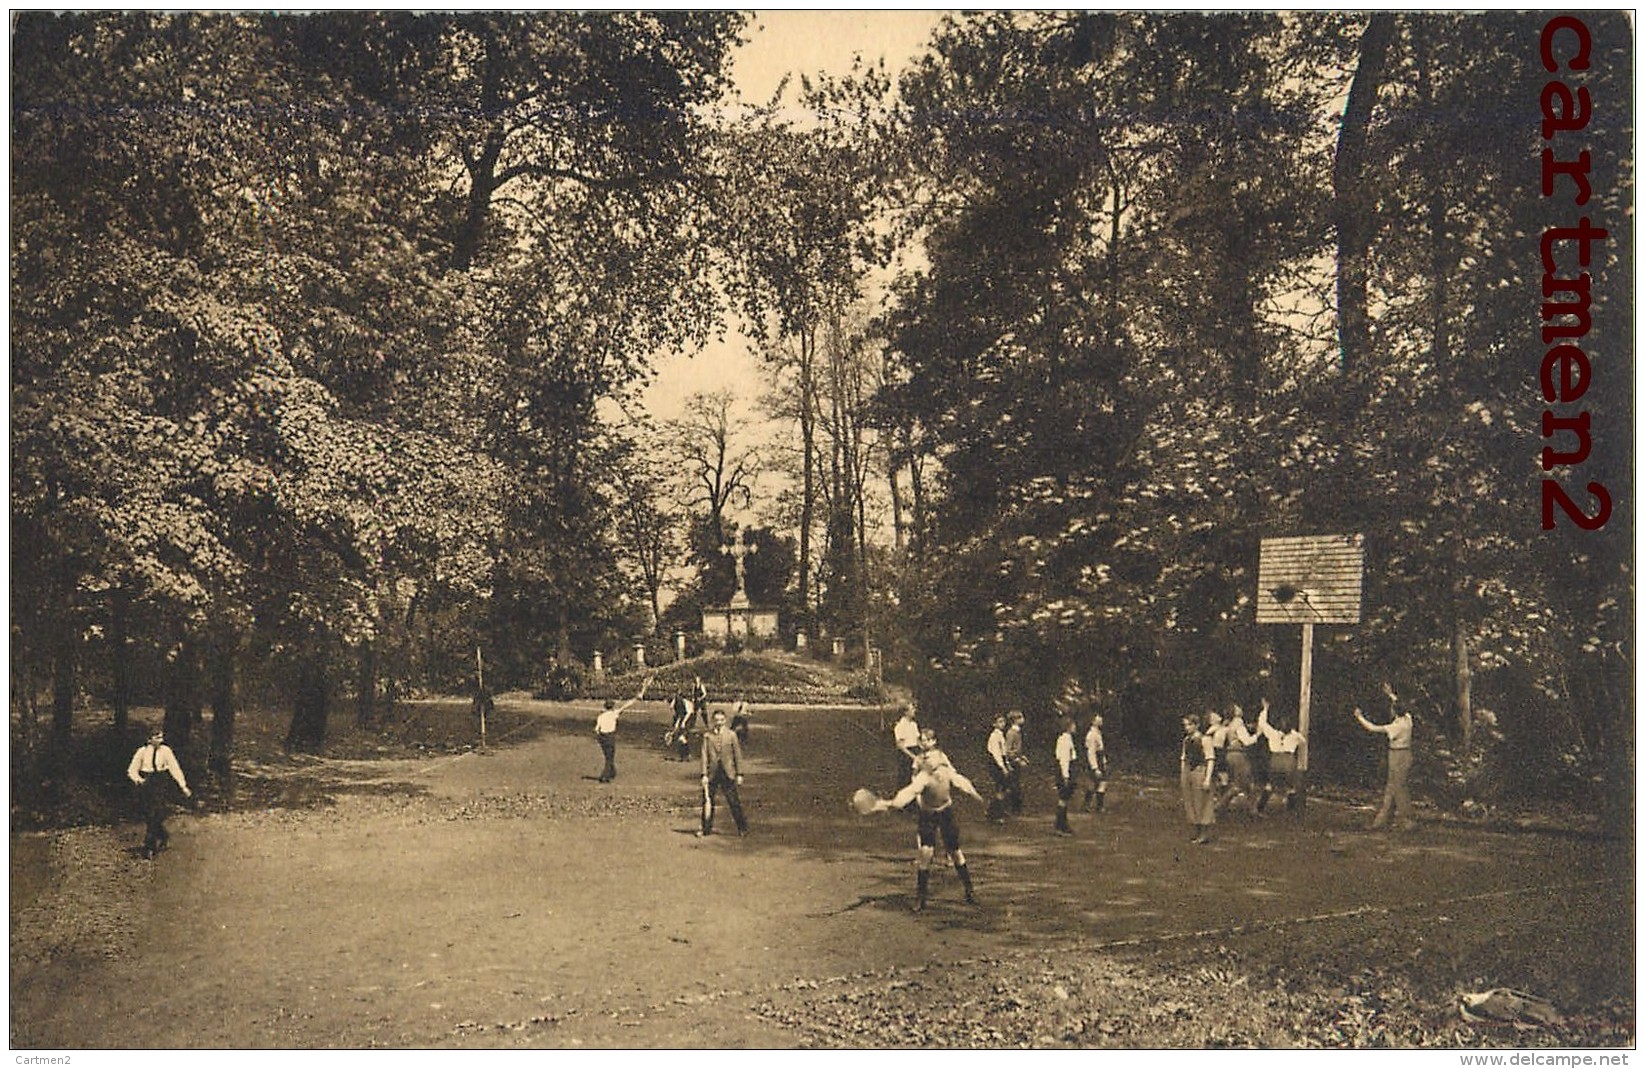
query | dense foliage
[317, 322]
[310, 317]
[1123, 356]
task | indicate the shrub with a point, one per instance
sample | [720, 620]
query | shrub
[563, 683]
[866, 688]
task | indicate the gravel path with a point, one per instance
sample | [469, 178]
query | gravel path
[505, 899]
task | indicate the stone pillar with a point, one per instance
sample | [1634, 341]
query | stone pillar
[639, 655]
[599, 665]
[679, 645]
[799, 640]
[839, 647]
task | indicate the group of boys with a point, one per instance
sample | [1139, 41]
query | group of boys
[1072, 770]
[1249, 764]
[721, 748]
[933, 779]
[930, 791]
[1254, 765]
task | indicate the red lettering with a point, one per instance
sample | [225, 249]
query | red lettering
[1574, 111]
[1572, 366]
[1581, 308]
[1566, 371]
[1584, 234]
[1584, 43]
[1554, 494]
[1577, 425]
[1576, 170]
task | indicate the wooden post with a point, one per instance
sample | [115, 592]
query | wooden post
[1464, 691]
[480, 698]
[1322, 576]
[1307, 691]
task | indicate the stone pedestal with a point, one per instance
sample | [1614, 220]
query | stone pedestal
[744, 621]
[639, 655]
[599, 665]
[799, 640]
[839, 647]
[679, 645]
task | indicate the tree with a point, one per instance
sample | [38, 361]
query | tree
[1065, 306]
[718, 469]
[652, 527]
[1353, 214]
[294, 417]
[1123, 396]
[1453, 304]
[803, 203]
[853, 372]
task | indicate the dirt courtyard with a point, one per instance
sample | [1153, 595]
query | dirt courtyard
[505, 899]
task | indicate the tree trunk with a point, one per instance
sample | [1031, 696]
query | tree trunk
[410, 660]
[1114, 314]
[120, 659]
[23, 702]
[916, 489]
[1464, 689]
[1438, 260]
[1353, 203]
[562, 630]
[311, 703]
[365, 684]
[899, 536]
[808, 478]
[65, 680]
[183, 703]
[220, 684]
[482, 177]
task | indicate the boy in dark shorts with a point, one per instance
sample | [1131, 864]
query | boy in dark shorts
[932, 787]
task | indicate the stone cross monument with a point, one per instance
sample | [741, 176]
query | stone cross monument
[738, 550]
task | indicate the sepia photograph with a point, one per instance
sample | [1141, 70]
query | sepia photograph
[1017, 530]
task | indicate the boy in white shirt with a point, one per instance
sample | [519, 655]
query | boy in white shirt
[1067, 754]
[149, 766]
[605, 730]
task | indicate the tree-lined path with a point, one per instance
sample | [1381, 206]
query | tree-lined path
[331, 337]
[506, 899]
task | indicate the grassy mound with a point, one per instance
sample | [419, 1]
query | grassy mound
[757, 678]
